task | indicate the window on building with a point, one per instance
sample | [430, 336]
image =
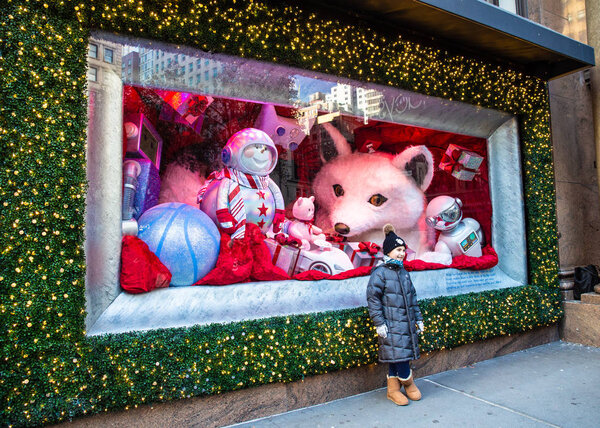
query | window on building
[108, 55]
[168, 62]
[198, 64]
[215, 72]
[93, 50]
[162, 65]
[206, 62]
[198, 78]
[182, 70]
[93, 74]
[518, 7]
[206, 75]
[157, 68]
[191, 66]
[191, 80]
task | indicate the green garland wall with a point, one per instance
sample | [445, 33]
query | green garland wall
[50, 370]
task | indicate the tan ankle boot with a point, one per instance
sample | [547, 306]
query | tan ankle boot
[393, 391]
[411, 389]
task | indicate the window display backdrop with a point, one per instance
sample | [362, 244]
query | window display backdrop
[191, 151]
[54, 371]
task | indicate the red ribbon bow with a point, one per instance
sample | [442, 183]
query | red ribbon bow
[335, 238]
[449, 163]
[197, 106]
[281, 239]
[368, 247]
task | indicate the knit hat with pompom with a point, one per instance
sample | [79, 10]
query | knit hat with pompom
[391, 240]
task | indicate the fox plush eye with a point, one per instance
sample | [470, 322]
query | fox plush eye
[377, 200]
[338, 190]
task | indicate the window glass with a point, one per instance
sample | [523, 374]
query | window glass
[509, 5]
[93, 74]
[93, 50]
[108, 55]
[359, 155]
[314, 122]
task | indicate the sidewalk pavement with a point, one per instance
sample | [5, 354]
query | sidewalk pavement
[553, 385]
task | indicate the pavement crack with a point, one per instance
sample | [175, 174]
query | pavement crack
[508, 409]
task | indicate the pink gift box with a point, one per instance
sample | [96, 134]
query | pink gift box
[461, 163]
[361, 258]
[284, 257]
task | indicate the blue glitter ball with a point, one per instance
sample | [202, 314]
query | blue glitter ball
[184, 239]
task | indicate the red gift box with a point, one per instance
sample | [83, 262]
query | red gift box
[363, 253]
[461, 163]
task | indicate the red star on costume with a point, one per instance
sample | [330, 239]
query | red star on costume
[261, 195]
[261, 224]
[262, 211]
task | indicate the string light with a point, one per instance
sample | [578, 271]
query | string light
[51, 370]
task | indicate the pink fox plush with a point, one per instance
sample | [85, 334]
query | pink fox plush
[358, 193]
[302, 227]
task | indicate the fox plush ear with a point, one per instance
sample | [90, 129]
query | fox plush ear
[340, 146]
[416, 162]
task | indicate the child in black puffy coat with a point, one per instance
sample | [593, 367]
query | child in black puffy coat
[393, 307]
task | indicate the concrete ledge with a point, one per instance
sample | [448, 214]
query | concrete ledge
[581, 323]
[593, 298]
[248, 404]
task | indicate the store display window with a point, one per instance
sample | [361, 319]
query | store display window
[236, 171]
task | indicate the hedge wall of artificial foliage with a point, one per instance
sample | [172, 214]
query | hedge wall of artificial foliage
[50, 370]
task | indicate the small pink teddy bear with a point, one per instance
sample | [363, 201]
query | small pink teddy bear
[302, 228]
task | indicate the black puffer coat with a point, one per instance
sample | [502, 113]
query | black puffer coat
[392, 300]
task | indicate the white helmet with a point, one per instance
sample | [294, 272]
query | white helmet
[233, 151]
[444, 212]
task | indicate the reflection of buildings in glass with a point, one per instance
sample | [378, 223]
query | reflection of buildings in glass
[341, 97]
[318, 99]
[368, 101]
[130, 68]
[196, 72]
[284, 175]
[103, 57]
[348, 98]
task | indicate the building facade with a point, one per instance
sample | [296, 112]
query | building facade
[494, 122]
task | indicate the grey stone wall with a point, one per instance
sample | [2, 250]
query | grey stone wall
[578, 206]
